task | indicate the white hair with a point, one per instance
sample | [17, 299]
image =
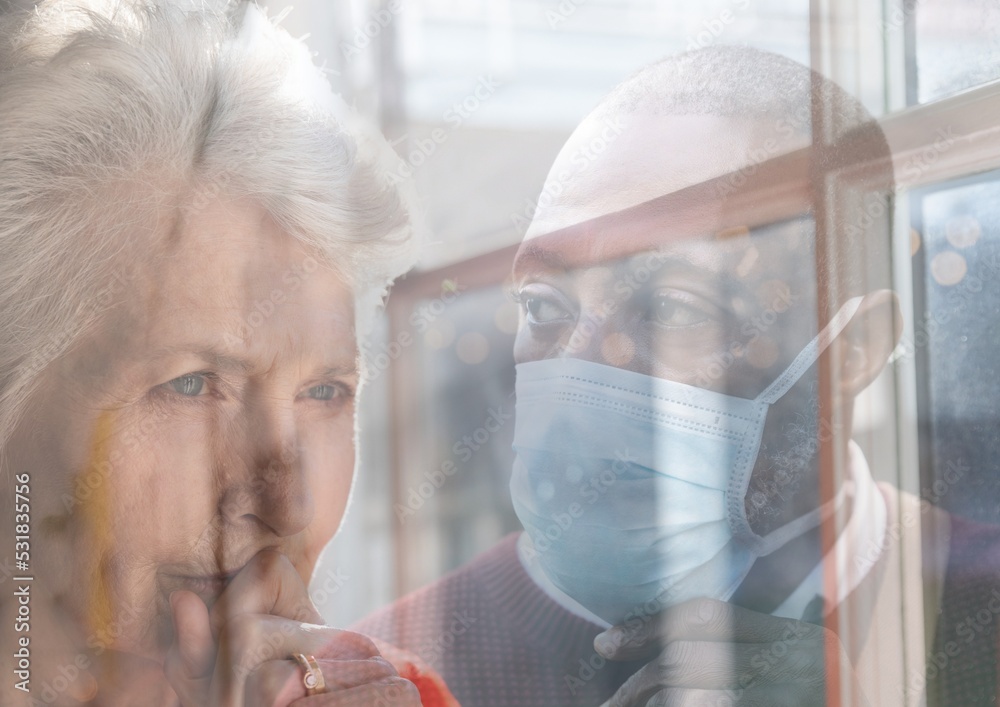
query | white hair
[120, 119]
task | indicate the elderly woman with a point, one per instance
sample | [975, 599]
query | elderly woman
[192, 228]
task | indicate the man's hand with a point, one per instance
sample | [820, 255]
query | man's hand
[707, 652]
[239, 653]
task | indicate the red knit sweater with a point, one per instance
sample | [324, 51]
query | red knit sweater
[498, 640]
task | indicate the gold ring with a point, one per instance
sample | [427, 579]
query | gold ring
[312, 677]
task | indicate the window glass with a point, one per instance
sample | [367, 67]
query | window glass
[453, 495]
[957, 278]
[957, 45]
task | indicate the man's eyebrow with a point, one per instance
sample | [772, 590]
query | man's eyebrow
[671, 263]
[668, 261]
[535, 255]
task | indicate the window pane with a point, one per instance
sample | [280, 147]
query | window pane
[958, 269]
[957, 46]
[556, 60]
[454, 493]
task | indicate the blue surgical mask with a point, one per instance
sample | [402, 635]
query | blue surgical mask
[632, 488]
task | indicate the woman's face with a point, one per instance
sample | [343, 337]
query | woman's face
[211, 418]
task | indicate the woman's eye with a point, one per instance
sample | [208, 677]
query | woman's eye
[323, 392]
[190, 385]
[669, 311]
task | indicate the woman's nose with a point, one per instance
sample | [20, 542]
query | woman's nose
[273, 488]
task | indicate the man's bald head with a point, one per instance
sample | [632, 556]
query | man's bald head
[720, 113]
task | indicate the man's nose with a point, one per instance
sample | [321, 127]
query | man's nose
[272, 485]
[583, 341]
[602, 337]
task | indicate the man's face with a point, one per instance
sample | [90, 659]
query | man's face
[724, 309]
[726, 315]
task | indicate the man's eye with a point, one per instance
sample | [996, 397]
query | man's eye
[543, 305]
[669, 311]
[323, 392]
[191, 385]
[542, 310]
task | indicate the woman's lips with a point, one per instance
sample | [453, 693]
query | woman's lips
[208, 587]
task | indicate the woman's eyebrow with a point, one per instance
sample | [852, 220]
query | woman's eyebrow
[209, 354]
[228, 362]
[342, 370]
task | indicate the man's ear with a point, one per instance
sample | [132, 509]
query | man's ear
[864, 347]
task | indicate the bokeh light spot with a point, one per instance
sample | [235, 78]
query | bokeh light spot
[963, 231]
[948, 268]
[439, 335]
[472, 348]
[762, 352]
[506, 317]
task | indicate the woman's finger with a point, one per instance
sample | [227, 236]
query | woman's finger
[278, 683]
[246, 641]
[388, 691]
[191, 658]
[267, 584]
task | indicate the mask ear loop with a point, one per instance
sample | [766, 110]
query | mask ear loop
[811, 353]
[781, 385]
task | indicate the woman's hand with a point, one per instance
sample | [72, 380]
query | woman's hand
[239, 653]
